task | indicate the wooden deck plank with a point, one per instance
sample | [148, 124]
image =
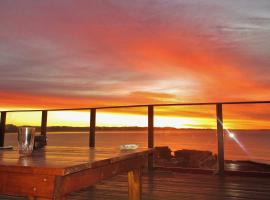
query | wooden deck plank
[161, 185]
[173, 188]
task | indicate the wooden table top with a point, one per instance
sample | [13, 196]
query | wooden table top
[53, 160]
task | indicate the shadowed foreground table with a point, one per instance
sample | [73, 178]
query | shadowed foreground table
[54, 172]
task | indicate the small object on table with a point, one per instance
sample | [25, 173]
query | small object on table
[26, 136]
[128, 146]
[40, 141]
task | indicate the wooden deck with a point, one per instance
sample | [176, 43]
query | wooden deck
[161, 185]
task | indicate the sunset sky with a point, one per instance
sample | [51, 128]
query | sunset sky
[64, 54]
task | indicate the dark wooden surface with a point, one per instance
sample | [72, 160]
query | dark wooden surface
[177, 186]
[43, 128]
[220, 133]
[150, 135]
[173, 186]
[134, 184]
[150, 126]
[54, 172]
[92, 134]
[63, 160]
[2, 128]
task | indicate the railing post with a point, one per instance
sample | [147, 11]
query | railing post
[43, 129]
[92, 134]
[2, 128]
[150, 135]
[44, 117]
[220, 139]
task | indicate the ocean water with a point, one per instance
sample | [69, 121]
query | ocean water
[245, 145]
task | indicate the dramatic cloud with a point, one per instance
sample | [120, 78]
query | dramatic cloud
[94, 53]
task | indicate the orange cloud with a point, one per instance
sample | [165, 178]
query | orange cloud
[64, 55]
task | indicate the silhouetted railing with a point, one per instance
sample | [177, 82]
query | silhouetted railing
[92, 127]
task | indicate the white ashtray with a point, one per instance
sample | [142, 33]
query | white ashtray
[128, 146]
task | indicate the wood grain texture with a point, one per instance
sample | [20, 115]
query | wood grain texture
[26, 184]
[2, 128]
[160, 185]
[54, 172]
[150, 135]
[43, 128]
[134, 184]
[64, 160]
[92, 131]
[41, 198]
[88, 177]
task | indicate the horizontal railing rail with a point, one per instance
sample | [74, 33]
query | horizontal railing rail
[150, 107]
[142, 105]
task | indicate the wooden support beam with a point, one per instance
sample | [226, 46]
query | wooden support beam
[150, 135]
[134, 184]
[2, 128]
[44, 117]
[92, 135]
[41, 140]
[220, 138]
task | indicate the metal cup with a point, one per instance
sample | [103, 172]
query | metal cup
[26, 138]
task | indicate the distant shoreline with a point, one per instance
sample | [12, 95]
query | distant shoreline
[13, 128]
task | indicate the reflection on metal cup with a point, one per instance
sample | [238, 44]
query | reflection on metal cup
[26, 138]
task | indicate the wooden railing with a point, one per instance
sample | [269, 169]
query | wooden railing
[219, 119]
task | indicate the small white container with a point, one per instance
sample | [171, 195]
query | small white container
[128, 146]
